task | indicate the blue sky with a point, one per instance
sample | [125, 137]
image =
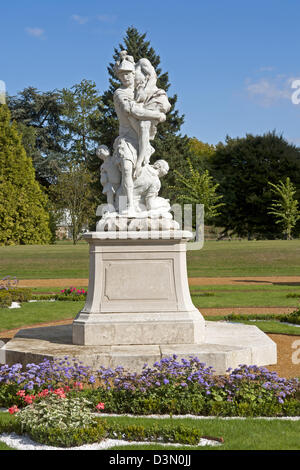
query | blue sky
[231, 62]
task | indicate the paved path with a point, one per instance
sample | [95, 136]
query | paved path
[193, 281]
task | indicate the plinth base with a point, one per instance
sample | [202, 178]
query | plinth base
[138, 291]
[226, 345]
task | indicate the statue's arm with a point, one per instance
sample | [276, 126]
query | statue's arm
[136, 110]
[139, 112]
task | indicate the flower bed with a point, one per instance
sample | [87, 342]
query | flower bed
[169, 387]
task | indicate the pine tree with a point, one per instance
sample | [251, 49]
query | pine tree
[168, 143]
[23, 215]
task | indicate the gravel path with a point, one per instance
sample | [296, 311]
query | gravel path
[193, 281]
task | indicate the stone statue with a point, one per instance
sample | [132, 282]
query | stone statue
[130, 182]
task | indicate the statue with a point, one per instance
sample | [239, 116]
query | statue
[130, 182]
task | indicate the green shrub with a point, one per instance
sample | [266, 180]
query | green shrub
[238, 317]
[5, 298]
[73, 437]
[21, 294]
[74, 297]
[99, 429]
[54, 411]
[44, 296]
[293, 317]
[14, 295]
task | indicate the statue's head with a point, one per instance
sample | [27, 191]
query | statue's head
[124, 69]
[162, 167]
[102, 152]
[145, 79]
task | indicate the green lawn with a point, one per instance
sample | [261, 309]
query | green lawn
[42, 312]
[248, 434]
[267, 326]
[39, 312]
[216, 259]
[244, 296]
[254, 258]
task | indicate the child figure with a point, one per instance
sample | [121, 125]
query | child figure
[110, 176]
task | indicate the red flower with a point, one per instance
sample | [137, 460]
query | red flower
[21, 393]
[29, 399]
[13, 409]
[78, 385]
[100, 406]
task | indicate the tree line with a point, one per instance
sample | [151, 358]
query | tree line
[249, 186]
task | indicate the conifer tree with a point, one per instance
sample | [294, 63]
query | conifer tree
[23, 215]
[168, 143]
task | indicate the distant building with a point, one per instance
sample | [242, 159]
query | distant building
[64, 227]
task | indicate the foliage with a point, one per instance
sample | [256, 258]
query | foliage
[72, 294]
[198, 188]
[243, 167]
[38, 118]
[293, 317]
[80, 110]
[73, 193]
[5, 299]
[170, 386]
[203, 151]
[23, 215]
[54, 411]
[285, 206]
[237, 317]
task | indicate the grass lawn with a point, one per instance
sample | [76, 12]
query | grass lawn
[268, 326]
[244, 296]
[248, 434]
[216, 259]
[39, 312]
[254, 258]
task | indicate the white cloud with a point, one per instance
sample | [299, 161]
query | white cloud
[35, 32]
[267, 69]
[107, 18]
[80, 19]
[271, 90]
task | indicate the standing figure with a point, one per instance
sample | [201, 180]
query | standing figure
[126, 145]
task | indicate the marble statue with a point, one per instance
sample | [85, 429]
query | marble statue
[130, 182]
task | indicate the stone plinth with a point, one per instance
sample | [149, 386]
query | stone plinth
[226, 345]
[138, 291]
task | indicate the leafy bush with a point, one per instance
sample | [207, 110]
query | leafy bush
[293, 317]
[21, 294]
[44, 297]
[54, 411]
[238, 317]
[5, 299]
[74, 297]
[14, 295]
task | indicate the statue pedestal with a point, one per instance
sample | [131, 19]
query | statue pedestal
[138, 291]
